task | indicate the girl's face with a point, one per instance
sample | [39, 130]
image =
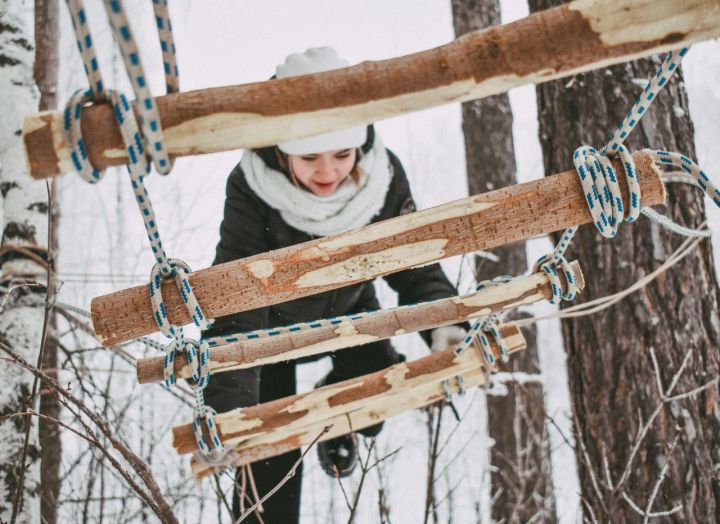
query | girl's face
[322, 173]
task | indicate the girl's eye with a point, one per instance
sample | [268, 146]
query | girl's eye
[308, 158]
[343, 154]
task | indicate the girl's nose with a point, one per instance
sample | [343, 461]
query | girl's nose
[324, 166]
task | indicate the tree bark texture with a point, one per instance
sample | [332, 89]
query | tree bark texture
[520, 480]
[23, 251]
[611, 373]
[46, 78]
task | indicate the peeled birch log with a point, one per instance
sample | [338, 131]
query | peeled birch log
[381, 325]
[276, 443]
[375, 389]
[563, 41]
[480, 222]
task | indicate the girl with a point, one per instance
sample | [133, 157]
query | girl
[291, 193]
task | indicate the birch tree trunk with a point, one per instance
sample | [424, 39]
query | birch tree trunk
[614, 388]
[521, 479]
[46, 78]
[24, 234]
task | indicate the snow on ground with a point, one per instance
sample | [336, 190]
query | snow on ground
[103, 246]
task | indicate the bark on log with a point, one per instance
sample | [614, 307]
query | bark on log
[375, 390]
[276, 443]
[556, 43]
[520, 473]
[381, 325]
[609, 355]
[471, 224]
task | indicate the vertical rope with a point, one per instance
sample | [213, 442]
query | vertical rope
[600, 184]
[144, 145]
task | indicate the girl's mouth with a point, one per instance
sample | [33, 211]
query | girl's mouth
[324, 186]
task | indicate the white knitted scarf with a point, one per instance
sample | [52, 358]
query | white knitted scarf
[349, 207]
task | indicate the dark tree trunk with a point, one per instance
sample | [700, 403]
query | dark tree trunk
[521, 477]
[46, 78]
[612, 377]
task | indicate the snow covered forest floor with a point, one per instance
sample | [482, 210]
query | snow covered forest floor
[103, 248]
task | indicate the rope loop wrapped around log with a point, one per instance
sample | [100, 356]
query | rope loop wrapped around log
[550, 267]
[144, 143]
[73, 136]
[180, 271]
[600, 183]
[481, 329]
[217, 453]
[602, 191]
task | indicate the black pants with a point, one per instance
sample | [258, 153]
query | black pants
[262, 384]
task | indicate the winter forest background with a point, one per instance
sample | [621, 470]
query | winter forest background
[102, 247]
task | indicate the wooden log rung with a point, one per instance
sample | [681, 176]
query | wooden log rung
[290, 414]
[274, 444]
[380, 325]
[558, 42]
[472, 224]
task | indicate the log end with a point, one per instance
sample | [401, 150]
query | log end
[579, 277]
[102, 338]
[654, 191]
[650, 177]
[40, 143]
[146, 370]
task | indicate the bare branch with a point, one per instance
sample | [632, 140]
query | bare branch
[290, 474]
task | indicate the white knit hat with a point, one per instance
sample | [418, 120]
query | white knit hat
[318, 60]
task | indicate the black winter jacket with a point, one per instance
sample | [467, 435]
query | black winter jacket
[250, 226]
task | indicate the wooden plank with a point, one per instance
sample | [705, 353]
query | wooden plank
[563, 41]
[276, 443]
[298, 411]
[384, 324]
[471, 224]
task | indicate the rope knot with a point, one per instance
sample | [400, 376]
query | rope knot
[552, 265]
[179, 271]
[481, 331]
[216, 453]
[600, 185]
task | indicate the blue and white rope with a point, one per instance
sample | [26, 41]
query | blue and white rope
[149, 117]
[167, 45]
[692, 175]
[84, 41]
[294, 328]
[217, 451]
[662, 76]
[74, 138]
[481, 330]
[142, 148]
[602, 191]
